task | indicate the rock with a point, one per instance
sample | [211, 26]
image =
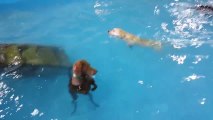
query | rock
[62, 57]
[33, 55]
[12, 55]
[30, 56]
[32, 60]
[2, 55]
[48, 56]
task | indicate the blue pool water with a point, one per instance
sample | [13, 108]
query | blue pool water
[174, 83]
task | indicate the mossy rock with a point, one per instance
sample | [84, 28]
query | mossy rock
[12, 55]
[36, 55]
[2, 55]
[31, 57]
[48, 56]
[63, 58]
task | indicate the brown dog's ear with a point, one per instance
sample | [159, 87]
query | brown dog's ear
[77, 68]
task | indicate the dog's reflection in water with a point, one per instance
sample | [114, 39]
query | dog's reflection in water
[81, 81]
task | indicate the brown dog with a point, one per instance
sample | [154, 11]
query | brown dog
[82, 80]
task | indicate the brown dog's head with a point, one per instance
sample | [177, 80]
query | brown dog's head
[82, 67]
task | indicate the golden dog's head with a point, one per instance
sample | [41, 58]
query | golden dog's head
[115, 32]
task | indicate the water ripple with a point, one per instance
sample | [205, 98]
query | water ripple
[9, 101]
[191, 27]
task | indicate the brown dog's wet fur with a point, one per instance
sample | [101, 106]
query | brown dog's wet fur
[82, 80]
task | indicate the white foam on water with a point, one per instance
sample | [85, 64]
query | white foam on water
[193, 77]
[178, 58]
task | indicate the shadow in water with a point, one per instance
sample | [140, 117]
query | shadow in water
[74, 107]
[74, 102]
[92, 100]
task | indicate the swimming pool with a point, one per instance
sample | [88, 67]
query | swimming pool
[135, 83]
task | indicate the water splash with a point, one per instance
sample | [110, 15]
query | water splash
[202, 101]
[9, 99]
[101, 8]
[156, 10]
[193, 77]
[199, 58]
[179, 59]
[36, 112]
[191, 27]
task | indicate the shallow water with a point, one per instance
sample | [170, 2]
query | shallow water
[133, 83]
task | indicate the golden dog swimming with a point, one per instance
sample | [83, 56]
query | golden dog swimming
[132, 39]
